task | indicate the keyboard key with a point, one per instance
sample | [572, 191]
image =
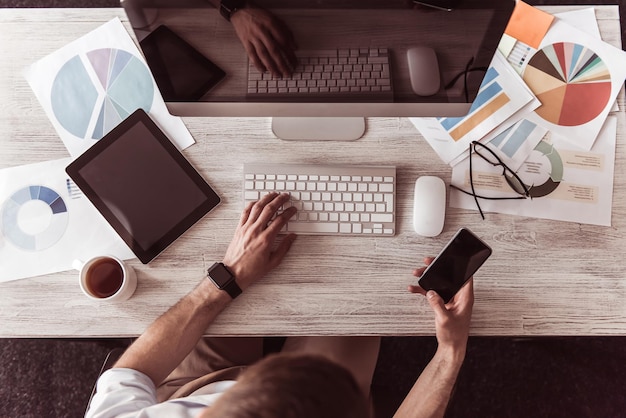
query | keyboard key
[381, 217]
[313, 227]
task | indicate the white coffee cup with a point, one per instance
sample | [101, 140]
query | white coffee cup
[106, 278]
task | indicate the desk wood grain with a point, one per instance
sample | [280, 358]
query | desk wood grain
[545, 277]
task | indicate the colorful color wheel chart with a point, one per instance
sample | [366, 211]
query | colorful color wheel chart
[122, 78]
[34, 218]
[571, 81]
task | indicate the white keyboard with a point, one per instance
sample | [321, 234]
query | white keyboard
[339, 73]
[331, 199]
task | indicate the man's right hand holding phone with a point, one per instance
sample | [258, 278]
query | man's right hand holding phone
[431, 392]
[452, 320]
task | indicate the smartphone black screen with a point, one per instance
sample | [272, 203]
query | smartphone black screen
[456, 263]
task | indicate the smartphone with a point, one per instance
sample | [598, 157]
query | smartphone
[455, 264]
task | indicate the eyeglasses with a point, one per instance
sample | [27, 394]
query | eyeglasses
[511, 178]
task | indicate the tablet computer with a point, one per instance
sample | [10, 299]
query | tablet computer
[182, 73]
[142, 185]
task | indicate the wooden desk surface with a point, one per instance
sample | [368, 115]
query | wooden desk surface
[545, 277]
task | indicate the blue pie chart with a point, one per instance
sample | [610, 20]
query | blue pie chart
[92, 93]
[34, 218]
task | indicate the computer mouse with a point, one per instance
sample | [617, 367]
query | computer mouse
[429, 206]
[423, 70]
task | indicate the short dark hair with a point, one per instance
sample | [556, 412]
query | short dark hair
[292, 386]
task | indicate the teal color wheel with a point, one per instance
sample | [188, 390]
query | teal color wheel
[556, 173]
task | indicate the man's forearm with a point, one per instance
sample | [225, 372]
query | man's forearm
[173, 335]
[430, 394]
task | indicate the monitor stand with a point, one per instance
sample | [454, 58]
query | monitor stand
[318, 128]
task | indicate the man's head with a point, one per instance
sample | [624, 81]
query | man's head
[290, 385]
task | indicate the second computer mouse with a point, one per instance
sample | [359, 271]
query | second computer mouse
[429, 206]
[423, 70]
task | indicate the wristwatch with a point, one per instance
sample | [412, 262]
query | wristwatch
[228, 7]
[224, 279]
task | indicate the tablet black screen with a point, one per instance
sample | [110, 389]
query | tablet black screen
[143, 186]
[181, 72]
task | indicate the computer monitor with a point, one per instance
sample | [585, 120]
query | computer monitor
[464, 35]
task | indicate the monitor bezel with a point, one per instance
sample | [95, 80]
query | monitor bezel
[265, 109]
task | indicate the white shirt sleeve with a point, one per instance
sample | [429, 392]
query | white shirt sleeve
[128, 393]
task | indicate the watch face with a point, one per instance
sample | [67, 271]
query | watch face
[220, 275]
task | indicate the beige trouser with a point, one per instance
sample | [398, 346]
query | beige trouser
[215, 359]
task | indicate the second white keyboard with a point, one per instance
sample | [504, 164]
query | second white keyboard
[331, 199]
[343, 74]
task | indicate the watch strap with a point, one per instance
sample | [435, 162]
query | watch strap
[228, 7]
[232, 288]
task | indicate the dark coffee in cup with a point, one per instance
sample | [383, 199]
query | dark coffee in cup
[104, 277]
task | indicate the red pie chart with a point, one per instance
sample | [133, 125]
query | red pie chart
[571, 81]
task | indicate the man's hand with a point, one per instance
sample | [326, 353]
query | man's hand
[430, 395]
[251, 253]
[267, 40]
[452, 320]
[173, 335]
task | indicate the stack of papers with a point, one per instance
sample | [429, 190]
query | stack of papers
[560, 140]
[86, 88]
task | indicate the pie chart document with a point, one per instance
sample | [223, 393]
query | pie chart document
[577, 78]
[90, 85]
[46, 222]
[90, 110]
[572, 82]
